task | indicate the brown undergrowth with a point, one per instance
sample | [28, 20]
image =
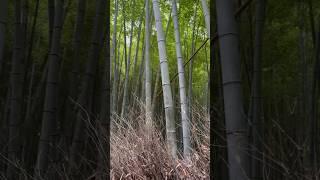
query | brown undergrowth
[137, 154]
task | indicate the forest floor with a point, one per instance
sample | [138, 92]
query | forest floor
[137, 155]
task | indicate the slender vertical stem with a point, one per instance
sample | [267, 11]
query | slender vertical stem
[3, 23]
[147, 68]
[182, 86]
[15, 97]
[256, 93]
[206, 14]
[166, 86]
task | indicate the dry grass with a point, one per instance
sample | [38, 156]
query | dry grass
[136, 154]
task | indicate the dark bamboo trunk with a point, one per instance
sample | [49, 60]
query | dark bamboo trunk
[236, 125]
[3, 24]
[74, 72]
[256, 94]
[86, 93]
[16, 97]
[49, 115]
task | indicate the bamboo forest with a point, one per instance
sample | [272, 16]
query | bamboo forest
[159, 89]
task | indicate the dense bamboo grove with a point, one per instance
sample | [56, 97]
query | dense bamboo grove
[54, 95]
[149, 74]
[264, 103]
[167, 73]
